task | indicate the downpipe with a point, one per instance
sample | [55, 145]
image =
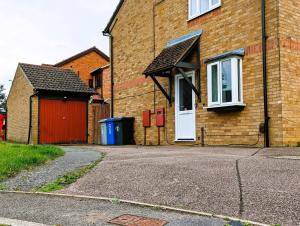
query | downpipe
[265, 78]
[111, 72]
[30, 117]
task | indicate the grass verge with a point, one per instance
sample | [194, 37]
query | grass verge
[2, 188]
[69, 178]
[17, 157]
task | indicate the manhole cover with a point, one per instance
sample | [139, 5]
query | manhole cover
[131, 220]
[287, 157]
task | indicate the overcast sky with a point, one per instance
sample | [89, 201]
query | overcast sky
[48, 31]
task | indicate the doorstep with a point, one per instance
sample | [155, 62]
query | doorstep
[187, 143]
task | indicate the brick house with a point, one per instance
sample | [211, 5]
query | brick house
[226, 71]
[47, 105]
[92, 66]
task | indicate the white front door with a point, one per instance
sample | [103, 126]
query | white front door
[185, 118]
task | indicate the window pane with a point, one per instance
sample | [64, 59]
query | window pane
[91, 83]
[99, 80]
[204, 5]
[215, 2]
[226, 82]
[239, 80]
[185, 95]
[214, 85]
[193, 7]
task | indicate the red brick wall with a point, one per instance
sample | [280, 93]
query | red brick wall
[86, 64]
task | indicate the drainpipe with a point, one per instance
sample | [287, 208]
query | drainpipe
[265, 78]
[107, 34]
[154, 55]
[30, 116]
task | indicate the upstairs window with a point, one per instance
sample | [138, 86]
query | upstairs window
[91, 83]
[199, 7]
[98, 81]
[225, 82]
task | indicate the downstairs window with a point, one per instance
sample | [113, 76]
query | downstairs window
[224, 82]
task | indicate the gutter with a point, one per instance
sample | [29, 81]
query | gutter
[107, 28]
[265, 78]
[30, 116]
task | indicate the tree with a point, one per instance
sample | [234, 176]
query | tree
[2, 99]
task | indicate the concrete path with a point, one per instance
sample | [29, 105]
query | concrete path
[73, 159]
[253, 184]
[48, 210]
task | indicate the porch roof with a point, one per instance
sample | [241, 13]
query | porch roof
[171, 56]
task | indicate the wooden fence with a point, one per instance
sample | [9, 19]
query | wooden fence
[99, 111]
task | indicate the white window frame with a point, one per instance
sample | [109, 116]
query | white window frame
[236, 87]
[209, 84]
[198, 12]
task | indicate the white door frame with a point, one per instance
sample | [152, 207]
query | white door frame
[193, 112]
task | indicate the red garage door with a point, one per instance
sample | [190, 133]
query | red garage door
[62, 121]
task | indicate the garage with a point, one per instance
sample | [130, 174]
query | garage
[63, 121]
[48, 105]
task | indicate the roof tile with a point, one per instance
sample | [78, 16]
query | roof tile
[170, 56]
[54, 79]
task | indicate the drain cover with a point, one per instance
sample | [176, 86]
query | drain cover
[288, 157]
[131, 220]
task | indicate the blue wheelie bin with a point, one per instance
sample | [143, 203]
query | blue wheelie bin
[111, 133]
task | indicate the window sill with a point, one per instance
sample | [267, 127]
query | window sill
[204, 13]
[184, 140]
[229, 107]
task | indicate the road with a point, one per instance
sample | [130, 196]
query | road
[51, 210]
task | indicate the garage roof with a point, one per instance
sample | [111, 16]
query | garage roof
[48, 78]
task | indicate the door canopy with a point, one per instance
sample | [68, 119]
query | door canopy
[176, 57]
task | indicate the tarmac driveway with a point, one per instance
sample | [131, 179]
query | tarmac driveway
[254, 184]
